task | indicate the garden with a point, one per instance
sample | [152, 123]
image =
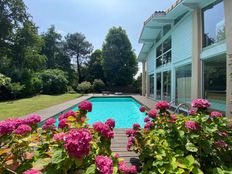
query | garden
[168, 143]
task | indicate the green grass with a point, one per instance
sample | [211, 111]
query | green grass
[26, 106]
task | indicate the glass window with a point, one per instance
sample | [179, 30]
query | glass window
[159, 50]
[167, 86]
[215, 82]
[213, 24]
[167, 45]
[183, 84]
[159, 62]
[166, 29]
[167, 57]
[158, 86]
[158, 37]
[151, 82]
[163, 53]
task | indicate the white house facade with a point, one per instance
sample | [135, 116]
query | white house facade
[187, 53]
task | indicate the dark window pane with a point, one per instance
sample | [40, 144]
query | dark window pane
[167, 45]
[158, 37]
[159, 50]
[151, 82]
[167, 57]
[158, 86]
[166, 29]
[158, 61]
[215, 82]
[213, 24]
[167, 86]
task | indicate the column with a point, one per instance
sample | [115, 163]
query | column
[143, 79]
[196, 50]
[228, 29]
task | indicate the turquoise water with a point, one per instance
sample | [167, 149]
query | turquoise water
[125, 111]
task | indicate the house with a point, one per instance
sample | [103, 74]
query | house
[187, 53]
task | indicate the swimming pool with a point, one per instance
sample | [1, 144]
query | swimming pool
[124, 110]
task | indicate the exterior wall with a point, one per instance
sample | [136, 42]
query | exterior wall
[182, 40]
[151, 61]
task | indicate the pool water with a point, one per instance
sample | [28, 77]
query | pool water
[125, 111]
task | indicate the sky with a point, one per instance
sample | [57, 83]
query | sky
[94, 18]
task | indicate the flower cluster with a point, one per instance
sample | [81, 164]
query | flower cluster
[110, 122]
[66, 115]
[146, 119]
[152, 114]
[130, 132]
[59, 136]
[162, 105]
[32, 119]
[200, 103]
[192, 125]
[63, 123]
[127, 170]
[103, 129]
[49, 124]
[149, 125]
[23, 129]
[85, 105]
[7, 126]
[142, 108]
[216, 114]
[192, 112]
[220, 144]
[136, 126]
[104, 165]
[77, 142]
[130, 142]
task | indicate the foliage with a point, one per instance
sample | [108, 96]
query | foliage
[73, 147]
[16, 89]
[84, 87]
[199, 143]
[119, 60]
[98, 85]
[78, 48]
[54, 81]
[95, 66]
[138, 83]
[5, 83]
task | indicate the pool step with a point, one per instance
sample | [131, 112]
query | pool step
[118, 145]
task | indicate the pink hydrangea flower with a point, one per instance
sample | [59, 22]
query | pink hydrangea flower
[63, 123]
[216, 114]
[161, 105]
[103, 129]
[110, 122]
[77, 142]
[32, 119]
[104, 165]
[220, 144]
[116, 156]
[192, 112]
[149, 125]
[85, 105]
[142, 108]
[69, 113]
[130, 143]
[130, 132]
[59, 136]
[173, 118]
[152, 114]
[49, 124]
[222, 134]
[136, 126]
[32, 171]
[127, 170]
[23, 129]
[7, 126]
[192, 125]
[146, 119]
[200, 103]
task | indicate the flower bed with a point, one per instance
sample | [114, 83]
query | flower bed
[199, 143]
[73, 147]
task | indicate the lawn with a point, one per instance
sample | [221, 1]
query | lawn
[25, 106]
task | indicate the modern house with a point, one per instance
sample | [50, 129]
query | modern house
[187, 53]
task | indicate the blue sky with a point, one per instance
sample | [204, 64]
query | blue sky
[93, 18]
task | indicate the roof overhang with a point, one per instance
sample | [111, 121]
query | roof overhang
[154, 24]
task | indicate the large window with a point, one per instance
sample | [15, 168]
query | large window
[158, 86]
[215, 81]
[163, 53]
[151, 82]
[167, 86]
[213, 23]
[183, 84]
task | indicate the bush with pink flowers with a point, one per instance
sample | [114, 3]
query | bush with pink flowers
[198, 143]
[72, 147]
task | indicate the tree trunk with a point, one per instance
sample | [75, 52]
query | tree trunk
[78, 70]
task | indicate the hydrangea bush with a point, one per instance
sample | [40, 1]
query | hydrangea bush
[198, 143]
[72, 147]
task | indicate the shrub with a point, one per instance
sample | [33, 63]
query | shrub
[98, 85]
[54, 81]
[84, 87]
[16, 89]
[179, 144]
[5, 83]
[73, 147]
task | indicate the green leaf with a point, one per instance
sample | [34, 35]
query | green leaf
[161, 170]
[91, 169]
[191, 147]
[181, 133]
[197, 170]
[57, 157]
[41, 163]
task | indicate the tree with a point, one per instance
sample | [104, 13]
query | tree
[95, 65]
[119, 61]
[78, 48]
